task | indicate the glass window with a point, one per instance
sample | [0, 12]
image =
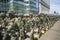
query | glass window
[32, 3]
[34, 0]
[4, 1]
[19, 0]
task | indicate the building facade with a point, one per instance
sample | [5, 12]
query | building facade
[44, 6]
[25, 6]
[19, 6]
[4, 5]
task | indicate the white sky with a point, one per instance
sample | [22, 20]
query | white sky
[55, 6]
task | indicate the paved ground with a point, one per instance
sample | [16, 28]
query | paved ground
[53, 33]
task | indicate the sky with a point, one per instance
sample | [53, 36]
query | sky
[55, 6]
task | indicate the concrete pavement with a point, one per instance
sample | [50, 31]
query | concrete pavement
[53, 33]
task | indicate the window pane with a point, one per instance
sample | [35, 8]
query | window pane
[4, 1]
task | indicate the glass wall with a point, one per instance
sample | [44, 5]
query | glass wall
[4, 5]
[19, 0]
[4, 1]
[19, 6]
[34, 6]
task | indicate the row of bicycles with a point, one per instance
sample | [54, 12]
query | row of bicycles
[14, 27]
